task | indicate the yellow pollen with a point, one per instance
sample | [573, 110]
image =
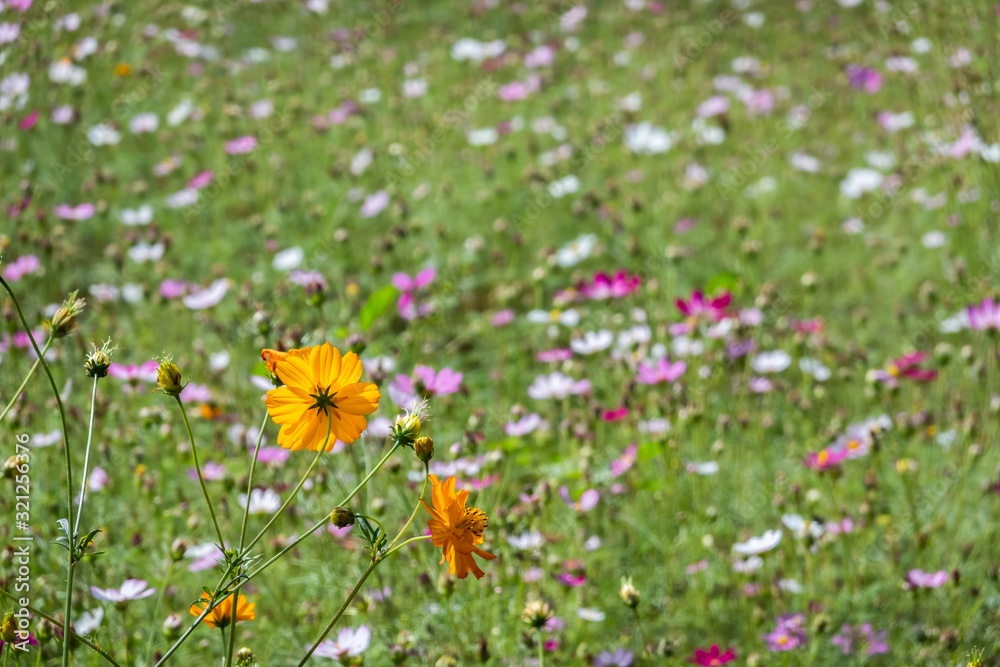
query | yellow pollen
[893, 370]
[475, 521]
[554, 315]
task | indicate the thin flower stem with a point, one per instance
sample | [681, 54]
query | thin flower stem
[59, 625]
[31, 371]
[253, 466]
[197, 467]
[374, 470]
[416, 508]
[295, 491]
[69, 460]
[243, 528]
[403, 544]
[340, 612]
[541, 649]
[186, 634]
[86, 457]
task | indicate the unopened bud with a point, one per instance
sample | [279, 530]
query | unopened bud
[536, 614]
[8, 628]
[245, 658]
[168, 377]
[64, 321]
[172, 627]
[178, 548]
[97, 363]
[629, 593]
[424, 448]
[342, 517]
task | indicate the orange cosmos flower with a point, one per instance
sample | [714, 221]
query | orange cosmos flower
[222, 615]
[455, 528]
[321, 389]
[271, 359]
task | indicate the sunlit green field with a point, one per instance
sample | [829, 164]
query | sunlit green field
[699, 298]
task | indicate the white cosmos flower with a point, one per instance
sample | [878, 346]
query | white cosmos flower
[483, 137]
[137, 216]
[859, 181]
[103, 134]
[143, 123]
[557, 385]
[180, 113]
[804, 162]
[476, 51]
[759, 545]
[682, 346]
[525, 541]
[288, 259]
[64, 71]
[802, 527]
[146, 252]
[569, 317]
[576, 250]
[703, 468]
[592, 615]
[814, 368]
[647, 139]
[88, 621]
[771, 362]
[564, 186]
[592, 341]
[751, 564]
[262, 501]
[361, 161]
[182, 198]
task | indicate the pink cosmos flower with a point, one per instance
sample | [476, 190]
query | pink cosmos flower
[20, 267]
[425, 383]
[713, 106]
[604, 286]
[374, 204]
[523, 426]
[541, 56]
[789, 633]
[404, 283]
[846, 525]
[241, 145]
[664, 371]
[196, 393]
[554, 355]
[502, 318]
[132, 589]
[966, 143]
[80, 212]
[588, 499]
[208, 297]
[571, 580]
[133, 374]
[920, 579]
[211, 471]
[201, 180]
[623, 463]
[518, 90]
[985, 315]
[873, 642]
[350, 643]
[171, 289]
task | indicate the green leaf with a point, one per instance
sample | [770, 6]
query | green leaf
[260, 368]
[376, 306]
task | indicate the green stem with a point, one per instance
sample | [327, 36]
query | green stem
[59, 625]
[197, 467]
[69, 460]
[295, 491]
[24, 384]
[416, 508]
[541, 649]
[340, 612]
[86, 457]
[243, 527]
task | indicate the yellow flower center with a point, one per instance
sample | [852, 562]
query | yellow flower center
[783, 641]
[853, 444]
[554, 315]
[893, 370]
[475, 521]
[824, 456]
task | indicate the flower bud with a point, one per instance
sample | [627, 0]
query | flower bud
[406, 429]
[424, 448]
[536, 614]
[64, 321]
[342, 517]
[168, 377]
[45, 631]
[356, 343]
[172, 627]
[245, 658]
[397, 654]
[8, 628]
[629, 593]
[178, 548]
[98, 361]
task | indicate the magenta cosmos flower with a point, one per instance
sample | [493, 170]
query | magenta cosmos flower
[663, 371]
[826, 458]
[407, 305]
[603, 286]
[20, 267]
[788, 635]
[906, 366]
[864, 79]
[588, 499]
[712, 657]
[985, 315]
[698, 309]
[920, 579]
[872, 642]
